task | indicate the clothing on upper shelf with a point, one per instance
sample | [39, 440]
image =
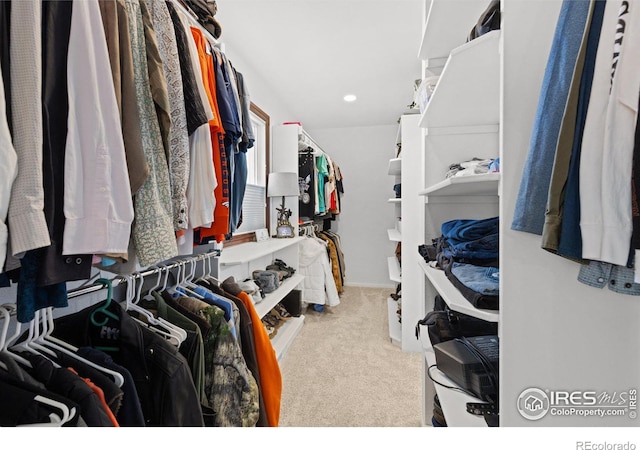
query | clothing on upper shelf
[473, 166]
[468, 253]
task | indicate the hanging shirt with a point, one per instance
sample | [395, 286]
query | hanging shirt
[26, 209]
[116, 27]
[323, 173]
[8, 171]
[179, 137]
[202, 176]
[53, 267]
[97, 198]
[607, 148]
[529, 213]
[153, 235]
[220, 226]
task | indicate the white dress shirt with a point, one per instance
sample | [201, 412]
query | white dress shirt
[8, 171]
[97, 198]
[27, 224]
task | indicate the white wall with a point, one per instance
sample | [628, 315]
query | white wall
[363, 155]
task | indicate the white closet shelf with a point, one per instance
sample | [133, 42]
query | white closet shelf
[273, 298]
[394, 269]
[395, 200]
[447, 26]
[394, 235]
[241, 253]
[452, 296]
[452, 401]
[493, 128]
[395, 327]
[394, 166]
[485, 184]
[285, 335]
[468, 90]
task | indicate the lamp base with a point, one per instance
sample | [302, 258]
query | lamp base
[285, 230]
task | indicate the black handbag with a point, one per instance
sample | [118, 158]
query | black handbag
[443, 324]
[489, 20]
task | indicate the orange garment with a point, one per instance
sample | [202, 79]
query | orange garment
[100, 394]
[270, 375]
[220, 225]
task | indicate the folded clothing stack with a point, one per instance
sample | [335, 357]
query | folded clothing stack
[468, 253]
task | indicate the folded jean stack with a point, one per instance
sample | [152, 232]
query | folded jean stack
[467, 251]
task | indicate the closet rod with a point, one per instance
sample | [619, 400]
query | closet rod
[315, 144]
[84, 290]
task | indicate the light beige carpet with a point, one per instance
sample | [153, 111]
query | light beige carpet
[343, 371]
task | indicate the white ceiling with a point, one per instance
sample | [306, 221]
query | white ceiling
[313, 52]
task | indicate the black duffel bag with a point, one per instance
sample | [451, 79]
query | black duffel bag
[444, 324]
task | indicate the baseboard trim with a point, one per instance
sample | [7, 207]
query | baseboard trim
[371, 285]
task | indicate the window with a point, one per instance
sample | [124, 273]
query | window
[254, 205]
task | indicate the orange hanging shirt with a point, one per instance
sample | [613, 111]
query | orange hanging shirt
[220, 225]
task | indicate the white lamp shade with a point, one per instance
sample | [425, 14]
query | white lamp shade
[282, 184]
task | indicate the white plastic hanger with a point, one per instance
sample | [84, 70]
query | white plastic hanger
[180, 333]
[179, 284]
[57, 420]
[29, 345]
[68, 349]
[8, 341]
[151, 322]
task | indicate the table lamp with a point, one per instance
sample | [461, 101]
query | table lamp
[282, 184]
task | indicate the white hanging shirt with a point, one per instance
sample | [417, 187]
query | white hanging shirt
[608, 141]
[8, 171]
[97, 196]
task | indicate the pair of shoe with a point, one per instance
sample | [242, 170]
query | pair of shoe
[280, 266]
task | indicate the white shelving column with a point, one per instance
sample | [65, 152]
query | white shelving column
[461, 121]
[413, 207]
[241, 260]
[395, 235]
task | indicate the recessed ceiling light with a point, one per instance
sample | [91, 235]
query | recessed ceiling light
[349, 98]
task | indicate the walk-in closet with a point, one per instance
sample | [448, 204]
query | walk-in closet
[348, 215]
